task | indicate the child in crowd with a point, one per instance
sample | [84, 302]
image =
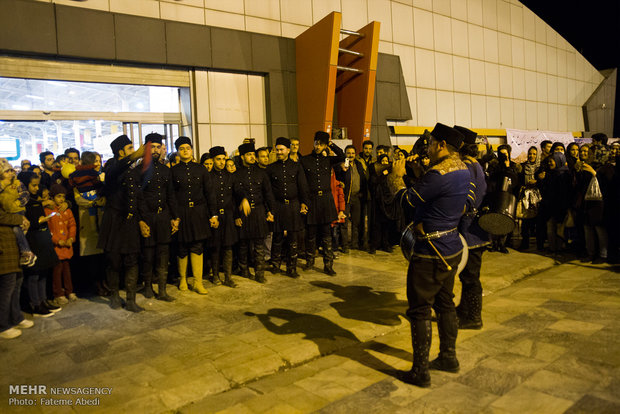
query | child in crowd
[87, 181]
[63, 229]
[13, 199]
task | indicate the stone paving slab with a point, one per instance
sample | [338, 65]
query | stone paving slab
[532, 376]
[200, 346]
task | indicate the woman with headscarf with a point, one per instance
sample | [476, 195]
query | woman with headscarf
[555, 187]
[527, 181]
[387, 215]
[558, 147]
[572, 155]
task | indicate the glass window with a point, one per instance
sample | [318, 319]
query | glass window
[35, 137]
[18, 94]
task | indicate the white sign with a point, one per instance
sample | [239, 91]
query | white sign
[521, 140]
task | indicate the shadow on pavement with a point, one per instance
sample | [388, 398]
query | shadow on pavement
[330, 338]
[362, 303]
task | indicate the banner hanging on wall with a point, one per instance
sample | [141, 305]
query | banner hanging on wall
[521, 140]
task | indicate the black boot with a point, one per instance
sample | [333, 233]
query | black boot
[421, 334]
[243, 260]
[259, 260]
[448, 329]
[148, 287]
[328, 269]
[131, 279]
[291, 268]
[473, 318]
[463, 309]
[161, 282]
[274, 267]
[309, 262]
[260, 276]
[113, 282]
[162, 294]
[227, 263]
[215, 266]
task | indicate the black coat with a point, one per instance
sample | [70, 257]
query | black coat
[228, 194]
[39, 238]
[195, 199]
[156, 202]
[257, 189]
[290, 189]
[318, 170]
[555, 189]
[345, 177]
[119, 227]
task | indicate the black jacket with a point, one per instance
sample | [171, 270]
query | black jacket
[318, 170]
[345, 177]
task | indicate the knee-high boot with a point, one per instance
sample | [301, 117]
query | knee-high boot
[197, 271]
[291, 263]
[471, 316]
[113, 283]
[474, 319]
[161, 270]
[183, 273]
[462, 310]
[421, 334]
[259, 259]
[227, 259]
[244, 245]
[131, 280]
[448, 329]
[215, 266]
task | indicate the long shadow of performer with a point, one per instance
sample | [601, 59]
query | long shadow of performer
[362, 303]
[330, 338]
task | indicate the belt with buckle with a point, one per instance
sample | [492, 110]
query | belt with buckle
[252, 204]
[435, 234]
[221, 211]
[319, 193]
[191, 204]
[286, 201]
[159, 210]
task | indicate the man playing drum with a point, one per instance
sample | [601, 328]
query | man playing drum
[470, 308]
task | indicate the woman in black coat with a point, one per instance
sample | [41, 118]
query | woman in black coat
[40, 241]
[555, 188]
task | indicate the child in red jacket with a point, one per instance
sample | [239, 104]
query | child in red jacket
[63, 229]
[337, 233]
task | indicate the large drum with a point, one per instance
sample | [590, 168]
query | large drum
[408, 240]
[498, 217]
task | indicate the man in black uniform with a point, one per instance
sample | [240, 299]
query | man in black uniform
[439, 199]
[196, 203]
[290, 191]
[225, 235]
[120, 236]
[158, 219]
[254, 228]
[322, 209]
[469, 311]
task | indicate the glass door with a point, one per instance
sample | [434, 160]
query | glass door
[137, 132]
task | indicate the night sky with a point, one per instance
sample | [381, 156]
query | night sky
[590, 26]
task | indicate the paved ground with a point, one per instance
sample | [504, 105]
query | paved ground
[331, 343]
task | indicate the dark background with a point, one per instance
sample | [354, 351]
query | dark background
[590, 26]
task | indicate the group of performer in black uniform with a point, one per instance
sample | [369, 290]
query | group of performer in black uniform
[212, 211]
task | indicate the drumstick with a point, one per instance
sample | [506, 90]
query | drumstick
[440, 256]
